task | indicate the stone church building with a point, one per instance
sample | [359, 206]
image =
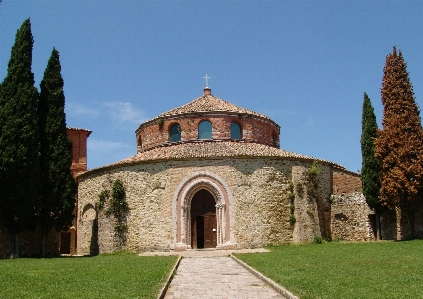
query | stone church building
[210, 174]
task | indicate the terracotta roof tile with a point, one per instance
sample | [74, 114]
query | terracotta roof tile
[211, 149]
[208, 103]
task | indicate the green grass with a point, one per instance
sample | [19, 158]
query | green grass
[345, 270]
[104, 276]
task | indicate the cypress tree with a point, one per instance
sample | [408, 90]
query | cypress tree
[19, 144]
[58, 188]
[370, 167]
[399, 146]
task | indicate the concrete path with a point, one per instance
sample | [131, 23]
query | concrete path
[216, 277]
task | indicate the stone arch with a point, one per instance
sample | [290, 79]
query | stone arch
[88, 213]
[183, 196]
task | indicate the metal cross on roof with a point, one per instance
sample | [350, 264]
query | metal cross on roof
[207, 82]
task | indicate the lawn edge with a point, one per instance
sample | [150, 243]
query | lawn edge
[169, 279]
[278, 288]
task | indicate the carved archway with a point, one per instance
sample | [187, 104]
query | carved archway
[182, 209]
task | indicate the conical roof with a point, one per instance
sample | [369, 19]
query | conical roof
[209, 103]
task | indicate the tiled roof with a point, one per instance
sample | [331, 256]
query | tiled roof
[211, 149]
[208, 103]
[78, 129]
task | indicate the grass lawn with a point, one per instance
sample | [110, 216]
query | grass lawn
[345, 270]
[104, 276]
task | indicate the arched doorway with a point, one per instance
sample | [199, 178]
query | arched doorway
[211, 198]
[203, 220]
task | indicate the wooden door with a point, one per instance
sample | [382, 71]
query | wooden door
[65, 239]
[210, 230]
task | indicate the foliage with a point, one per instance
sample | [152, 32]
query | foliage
[312, 179]
[160, 122]
[300, 189]
[292, 219]
[344, 270]
[19, 135]
[370, 169]
[58, 188]
[291, 187]
[118, 207]
[103, 197]
[119, 275]
[317, 240]
[399, 146]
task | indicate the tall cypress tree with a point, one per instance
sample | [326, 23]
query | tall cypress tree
[370, 167]
[19, 144]
[58, 188]
[399, 146]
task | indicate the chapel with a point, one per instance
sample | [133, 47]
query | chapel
[210, 174]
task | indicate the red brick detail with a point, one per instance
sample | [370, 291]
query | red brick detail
[346, 182]
[253, 129]
[79, 149]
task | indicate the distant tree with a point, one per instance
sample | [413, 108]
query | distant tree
[19, 145]
[58, 188]
[399, 146]
[370, 167]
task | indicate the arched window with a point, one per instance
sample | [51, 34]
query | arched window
[175, 133]
[275, 139]
[205, 130]
[235, 131]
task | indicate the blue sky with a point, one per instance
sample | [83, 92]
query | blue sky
[305, 64]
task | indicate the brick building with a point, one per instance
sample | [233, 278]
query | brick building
[210, 174]
[78, 137]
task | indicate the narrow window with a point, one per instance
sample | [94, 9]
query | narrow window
[235, 131]
[175, 133]
[275, 140]
[205, 130]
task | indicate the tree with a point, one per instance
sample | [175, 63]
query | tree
[370, 167]
[399, 146]
[19, 146]
[58, 188]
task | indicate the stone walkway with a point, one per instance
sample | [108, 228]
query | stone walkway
[210, 276]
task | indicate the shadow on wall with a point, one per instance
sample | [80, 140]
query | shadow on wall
[94, 250]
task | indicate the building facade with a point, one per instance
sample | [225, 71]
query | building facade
[210, 174]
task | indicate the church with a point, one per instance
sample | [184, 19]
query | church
[210, 174]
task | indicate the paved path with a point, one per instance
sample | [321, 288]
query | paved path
[216, 277]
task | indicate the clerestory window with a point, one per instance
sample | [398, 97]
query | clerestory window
[235, 131]
[205, 130]
[175, 133]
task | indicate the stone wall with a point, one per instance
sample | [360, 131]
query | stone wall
[350, 213]
[253, 129]
[260, 210]
[350, 218]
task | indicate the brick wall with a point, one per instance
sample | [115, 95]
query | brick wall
[345, 182]
[253, 129]
[78, 137]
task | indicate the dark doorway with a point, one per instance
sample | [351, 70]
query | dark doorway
[65, 240]
[203, 225]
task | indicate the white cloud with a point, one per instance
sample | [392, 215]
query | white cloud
[73, 108]
[125, 112]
